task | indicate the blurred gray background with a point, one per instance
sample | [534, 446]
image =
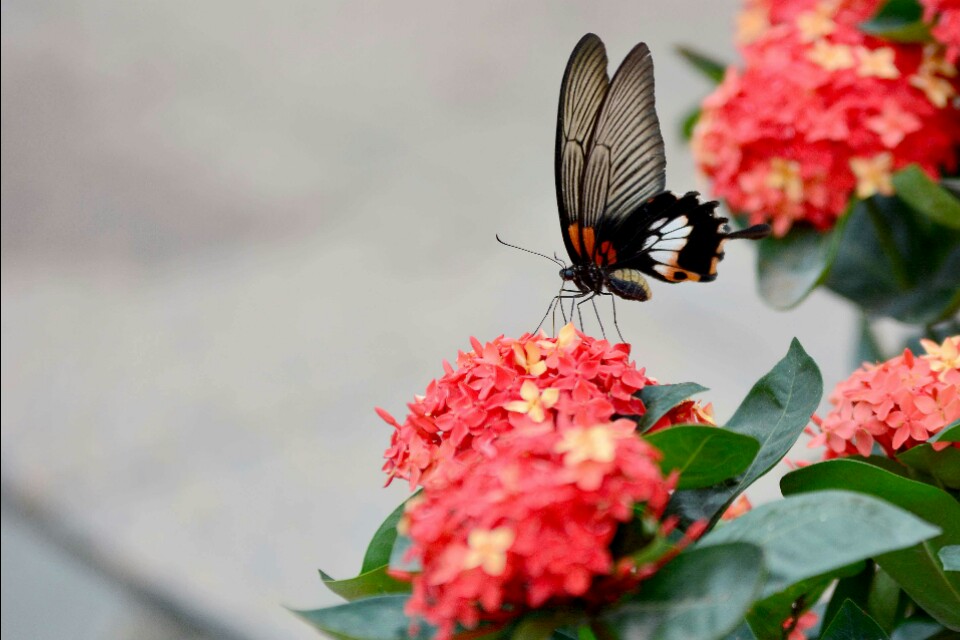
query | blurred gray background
[232, 229]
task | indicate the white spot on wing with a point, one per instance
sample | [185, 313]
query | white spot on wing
[650, 241]
[676, 223]
[673, 244]
[658, 223]
[682, 232]
[666, 257]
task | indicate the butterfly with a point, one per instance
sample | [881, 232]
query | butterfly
[618, 222]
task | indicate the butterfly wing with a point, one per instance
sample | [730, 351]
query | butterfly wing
[582, 92]
[626, 164]
[675, 239]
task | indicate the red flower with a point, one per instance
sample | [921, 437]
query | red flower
[821, 111]
[506, 385]
[797, 626]
[945, 14]
[896, 404]
[532, 525]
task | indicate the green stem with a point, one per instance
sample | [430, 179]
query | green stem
[888, 244]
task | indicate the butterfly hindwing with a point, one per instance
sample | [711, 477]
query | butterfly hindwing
[671, 239]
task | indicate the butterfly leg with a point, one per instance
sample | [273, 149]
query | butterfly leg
[580, 314]
[613, 303]
[593, 301]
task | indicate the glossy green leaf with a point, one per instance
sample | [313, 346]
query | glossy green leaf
[898, 20]
[711, 69]
[852, 623]
[950, 434]
[742, 632]
[897, 263]
[925, 196]
[917, 569]
[702, 594]
[855, 587]
[378, 551]
[883, 599]
[379, 618]
[689, 122]
[660, 398]
[942, 466]
[813, 534]
[917, 628]
[774, 413]
[703, 455]
[375, 582]
[766, 616]
[544, 625]
[398, 556]
[950, 557]
[868, 349]
[789, 268]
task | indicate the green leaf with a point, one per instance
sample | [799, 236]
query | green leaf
[950, 434]
[702, 594]
[379, 618]
[774, 413]
[743, 632]
[789, 268]
[544, 624]
[942, 466]
[375, 582]
[711, 69]
[925, 196]
[766, 616]
[916, 628]
[854, 587]
[918, 568]
[838, 528]
[378, 551]
[703, 455]
[868, 349]
[897, 263]
[398, 556]
[898, 20]
[852, 623]
[950, 557]
[689, 122]
[883, 599]
[660, 398]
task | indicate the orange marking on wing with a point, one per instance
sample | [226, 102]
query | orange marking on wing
[607, 255]
[588, 240]
[573, 232]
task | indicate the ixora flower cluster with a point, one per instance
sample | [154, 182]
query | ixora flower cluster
[822, 110]
[527, 471]
[897, 404]
[944, 15]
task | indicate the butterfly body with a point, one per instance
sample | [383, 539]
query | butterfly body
[619, 224]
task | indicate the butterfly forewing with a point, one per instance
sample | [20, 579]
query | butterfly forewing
[581, 94]
[625, 160]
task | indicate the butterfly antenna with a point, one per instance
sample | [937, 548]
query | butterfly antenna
[513, 246]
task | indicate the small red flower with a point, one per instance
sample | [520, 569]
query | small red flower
[945, 16]
[896, 404]
[532, 525]
[506, 385]
[807, 620]
[822, 111]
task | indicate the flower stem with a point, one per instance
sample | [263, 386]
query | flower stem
[888, 244]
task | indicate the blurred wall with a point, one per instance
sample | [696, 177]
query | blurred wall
[230, 230]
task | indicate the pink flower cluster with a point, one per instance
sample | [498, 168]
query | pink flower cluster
[822, 111]
[896, 404]
[508, 384]
[528, 468]
[945, 17]
[532, 526]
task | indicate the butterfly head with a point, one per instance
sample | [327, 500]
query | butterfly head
[568, 274]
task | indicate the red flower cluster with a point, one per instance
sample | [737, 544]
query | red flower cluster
[945, 17]
[508, 384]
[532, 526]
[527, 471]
[896, 404]
[822, 111]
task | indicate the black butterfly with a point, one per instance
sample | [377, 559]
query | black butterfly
[617, 220]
